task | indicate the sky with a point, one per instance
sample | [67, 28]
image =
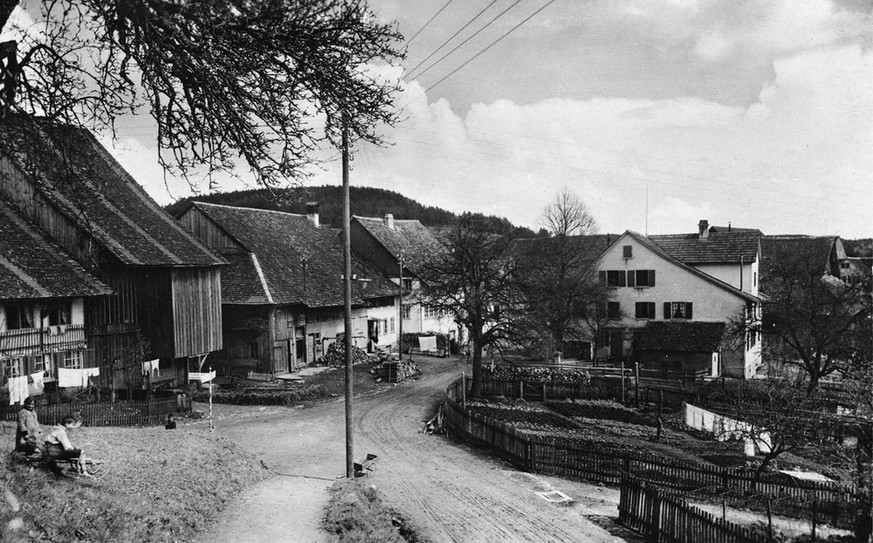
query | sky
[656, 113]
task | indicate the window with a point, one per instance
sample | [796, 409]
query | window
[407, 284]
[253, 351]
[18, 316]
[384, 326]
[73, 360]
[430, 312]
[678, 310]
[613, 310]
[39, 362]
[613, 278]
[13, 367]
[392, 324]
[641, 278]
[627, 251]
[57, 313]
[384, 301]
[645, 310]
[406, 310]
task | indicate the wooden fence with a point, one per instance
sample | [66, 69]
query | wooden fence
[118, 413]
[588, 460]
[663, 517]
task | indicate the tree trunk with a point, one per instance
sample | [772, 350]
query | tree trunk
[476, 384]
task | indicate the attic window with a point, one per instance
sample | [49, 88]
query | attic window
[628, 251]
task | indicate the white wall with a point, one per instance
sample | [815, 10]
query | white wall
[672, 284]
[730, 274]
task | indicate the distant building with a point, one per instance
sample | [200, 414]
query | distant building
[387, 243]
[282, 292]
[652, 287]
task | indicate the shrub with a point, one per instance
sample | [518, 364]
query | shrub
[242, 396]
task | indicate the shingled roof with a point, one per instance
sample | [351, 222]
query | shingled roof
[691, 337]
[76, 174]
[788, 247]
[31, 267]
[721, 245]
[584, 248]
[408, 236]
[285, 259]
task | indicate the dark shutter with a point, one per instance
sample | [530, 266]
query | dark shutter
[688, 314]
[622, 279]
[602, 276]
[631, 278]
[628, 251]
[650, 310]
[667, 314]
[651, 278]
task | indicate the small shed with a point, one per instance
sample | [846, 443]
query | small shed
[678, 346]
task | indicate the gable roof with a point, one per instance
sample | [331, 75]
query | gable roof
[586, 248]
[33, 267]
[720, 246]
[652, 246]
[408, 236]
[287, 260]
[693, 337]
[812, 248]
[78, 176]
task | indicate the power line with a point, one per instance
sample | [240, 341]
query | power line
[427, 23]
[489, 23]
[435, 51]
[492, 44]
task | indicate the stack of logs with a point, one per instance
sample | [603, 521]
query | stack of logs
[394, 372]
[336, 355]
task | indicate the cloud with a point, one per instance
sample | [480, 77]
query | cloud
[797, 160]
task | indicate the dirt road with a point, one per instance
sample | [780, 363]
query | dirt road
[453, 493]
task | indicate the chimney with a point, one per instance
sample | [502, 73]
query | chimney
[389, 221]
[704, 228]
[312, 213]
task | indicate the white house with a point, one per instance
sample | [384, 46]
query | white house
[652, 286]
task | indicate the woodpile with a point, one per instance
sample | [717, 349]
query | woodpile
[394, 372]
[336, 355]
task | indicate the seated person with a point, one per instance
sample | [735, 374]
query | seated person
[171, 422]
[59, 447]
[27, 431]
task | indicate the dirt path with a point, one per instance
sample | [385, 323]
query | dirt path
[451, 492]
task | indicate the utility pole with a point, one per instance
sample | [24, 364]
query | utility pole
[347, 298]
[400, 321]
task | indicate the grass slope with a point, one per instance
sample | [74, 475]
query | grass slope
[163, 486]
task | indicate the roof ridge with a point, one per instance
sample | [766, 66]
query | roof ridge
[280, 212]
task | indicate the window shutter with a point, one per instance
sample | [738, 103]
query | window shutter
[667, 310]
[622, 281]
[628, 251]
[651, 278]
[650, 310]
[602, 276]
[631, 278]
[688, 314]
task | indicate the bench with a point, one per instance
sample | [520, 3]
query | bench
[366, 467]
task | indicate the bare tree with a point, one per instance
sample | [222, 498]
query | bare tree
[473, 281]
[264, 81]
[568, 215]
[809, 318]
[558, 275]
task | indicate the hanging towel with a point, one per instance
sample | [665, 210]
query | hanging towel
[69, 378]
[87, 373]
[36, 385]
[18, 390]
[427, 343]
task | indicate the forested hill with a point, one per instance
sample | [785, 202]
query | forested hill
[364, 201]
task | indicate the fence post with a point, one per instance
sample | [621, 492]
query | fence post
[544, 392]
[636, 384]
[521, 389]
[623, 402]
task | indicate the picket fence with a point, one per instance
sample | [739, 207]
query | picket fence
[582, 460]
[663, 517]
[118, 413]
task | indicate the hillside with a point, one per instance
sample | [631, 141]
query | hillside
[365, 201]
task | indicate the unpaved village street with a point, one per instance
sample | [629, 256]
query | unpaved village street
[450, 491]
